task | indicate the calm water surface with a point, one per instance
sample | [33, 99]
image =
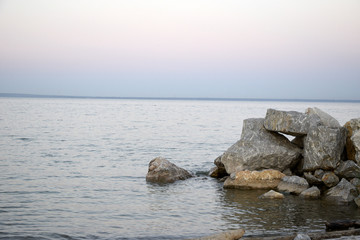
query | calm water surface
[75, 169]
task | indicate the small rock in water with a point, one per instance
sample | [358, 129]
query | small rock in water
[272, 195]
[163, 171]
[311, 193]
[301, 236]
[293, 184]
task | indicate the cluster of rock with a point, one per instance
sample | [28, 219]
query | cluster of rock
[322, 159]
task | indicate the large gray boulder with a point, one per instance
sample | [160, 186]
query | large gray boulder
[344, 192]
[260, 149]
[356, 143]
[348, 169]
[293, 184]
[317, 117]
[288, 122]
[352, 127]
[266, 179]
[323, 148]
[163, 171]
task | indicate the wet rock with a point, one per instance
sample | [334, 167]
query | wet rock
[319, 173]
[330, 179]
[293, 184]
[357, 201]
[260, 149]
[352, 127]
[272, 195]
[344, 192]
[302, 237]
[311, 193]
[317, 117]
[229, 235]
[266, 179]
[288, 122]
[163, 171]
[219, 171]
[348, 169]
[312, 180]
[323, 148]
[356, 142]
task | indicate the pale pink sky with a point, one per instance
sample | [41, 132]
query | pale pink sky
[168, 48]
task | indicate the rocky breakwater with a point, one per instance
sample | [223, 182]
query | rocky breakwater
[322, 160]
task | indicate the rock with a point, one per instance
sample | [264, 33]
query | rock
[163, 171]
[356, 183]
[293, 184]
[272, 195]
[288, 122]
[311, 179]
[330, 179]
[260, 149]
[352, 127]
[344, 192]
[356, 142]
[323, 148]
[229, 235]
[302, 237]
[219, 171]
[319, 173]
[317, 117]
[348, 169]
[312, 193]
[266, 179]
[287, 172]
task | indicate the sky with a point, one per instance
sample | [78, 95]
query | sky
[308, 49]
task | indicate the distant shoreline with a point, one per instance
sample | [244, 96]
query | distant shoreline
[21, 95]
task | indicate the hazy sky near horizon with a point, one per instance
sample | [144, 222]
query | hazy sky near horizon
[184, 48]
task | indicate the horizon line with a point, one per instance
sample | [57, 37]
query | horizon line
[29, 95]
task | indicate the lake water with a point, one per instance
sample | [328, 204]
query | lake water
[75, 169]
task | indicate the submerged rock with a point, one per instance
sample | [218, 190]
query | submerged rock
[292, 184]
[272, 195]
[311, 193]
[266, 179]
[163, 171]
[288, 122]
[323, 148]
[260, 149]
[229, 235]
[352, 127]
[344, 192]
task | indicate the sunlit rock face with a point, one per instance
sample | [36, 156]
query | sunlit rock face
[260, 149]
[266, 179]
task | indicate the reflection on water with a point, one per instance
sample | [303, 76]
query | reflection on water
[270, 216]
